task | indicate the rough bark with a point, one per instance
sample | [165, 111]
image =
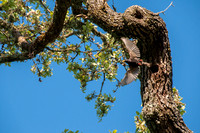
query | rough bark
[159, 109]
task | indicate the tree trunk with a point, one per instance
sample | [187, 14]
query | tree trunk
[159, 109]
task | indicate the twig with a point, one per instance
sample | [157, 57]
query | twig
[69, 34]
[82, 16]
[117, 86]
[100, 34]
[41, 2]
[66, 50]
[171, 4]
[37, 70]
[10, 27]
[73, 58]
[113, 5]
[104, 78]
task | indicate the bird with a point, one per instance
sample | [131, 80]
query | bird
[134, 62]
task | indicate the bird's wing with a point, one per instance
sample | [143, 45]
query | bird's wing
[130, 75]
[131, 47]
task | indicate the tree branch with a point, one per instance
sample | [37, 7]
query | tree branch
[79, 27]
[49, 36]
[171, 4]
[104, 78]
[19, 39]
[100, 34]
[47, 9]
[159, 111]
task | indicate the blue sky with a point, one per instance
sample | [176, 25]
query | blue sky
[27, 105]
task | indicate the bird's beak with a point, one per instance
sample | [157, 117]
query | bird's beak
[123, 61]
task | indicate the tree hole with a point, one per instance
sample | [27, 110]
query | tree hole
[138, 14]
[154, 68]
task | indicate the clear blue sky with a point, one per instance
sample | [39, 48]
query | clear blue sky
[27, 105]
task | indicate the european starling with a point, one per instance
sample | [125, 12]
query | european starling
[134, 62]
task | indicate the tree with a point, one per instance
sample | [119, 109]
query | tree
[45, 40]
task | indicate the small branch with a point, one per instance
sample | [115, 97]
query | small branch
[113, 6]
[5, 36]
[39, 44]
[171, 4]
[47, 9]
[66, 50]
[69, 34]
[73, 58]
[104, 78]
[82, 16]
[20, 40]
[94, 31]
[117, 86]
[99, 34]
[10, 27]
[39, 73]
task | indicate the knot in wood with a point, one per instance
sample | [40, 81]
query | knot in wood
[135, 11]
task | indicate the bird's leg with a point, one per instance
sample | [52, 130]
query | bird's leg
[140, 62]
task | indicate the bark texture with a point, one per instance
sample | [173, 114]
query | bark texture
[159, 109]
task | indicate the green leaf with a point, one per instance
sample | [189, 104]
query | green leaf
[137, 113]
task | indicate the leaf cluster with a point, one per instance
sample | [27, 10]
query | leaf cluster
[178, 100]
[140, 124]
[89, 53]
[102, 106]
[69, 131]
